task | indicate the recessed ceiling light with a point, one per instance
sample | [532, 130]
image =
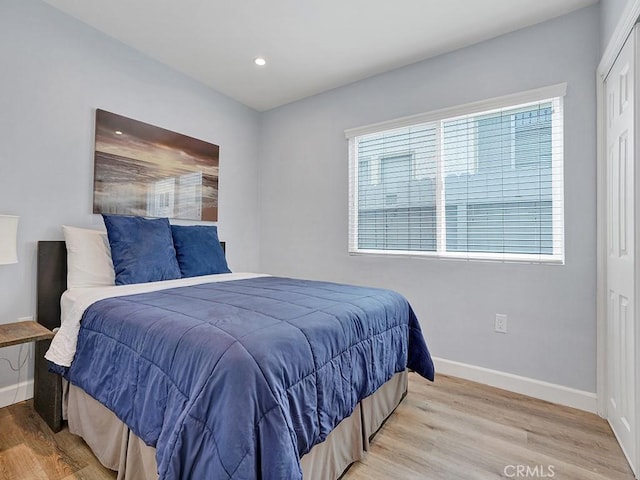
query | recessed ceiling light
[118, 132]
[261, 62]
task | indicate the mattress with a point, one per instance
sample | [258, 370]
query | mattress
[235, 379]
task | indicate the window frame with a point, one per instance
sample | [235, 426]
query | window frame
[553, 94]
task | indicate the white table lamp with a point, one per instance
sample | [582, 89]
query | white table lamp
[8, 239]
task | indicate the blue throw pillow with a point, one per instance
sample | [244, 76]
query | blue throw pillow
[198, 250]
[142, 250]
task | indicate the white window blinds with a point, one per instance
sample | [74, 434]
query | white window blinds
[482, 181]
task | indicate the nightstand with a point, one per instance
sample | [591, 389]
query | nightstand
[47, 387]
[23, 332]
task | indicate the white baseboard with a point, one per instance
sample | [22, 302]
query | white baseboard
[550, 392]
[16, 393]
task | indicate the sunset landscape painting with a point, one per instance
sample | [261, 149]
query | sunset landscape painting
[148, 171]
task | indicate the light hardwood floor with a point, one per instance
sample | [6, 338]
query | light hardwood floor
[451, 429]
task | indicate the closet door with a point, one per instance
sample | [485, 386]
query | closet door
[621, 267]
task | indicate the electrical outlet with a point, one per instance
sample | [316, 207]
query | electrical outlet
[501, 323]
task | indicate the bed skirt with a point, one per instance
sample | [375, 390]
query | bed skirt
[117, 448]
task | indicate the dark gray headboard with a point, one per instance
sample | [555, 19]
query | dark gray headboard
[51, 282]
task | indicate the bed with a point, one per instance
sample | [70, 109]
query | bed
[282, 395]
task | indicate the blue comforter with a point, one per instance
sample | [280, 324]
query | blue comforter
[236, 380]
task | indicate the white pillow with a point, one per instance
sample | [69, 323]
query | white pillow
[89, 261]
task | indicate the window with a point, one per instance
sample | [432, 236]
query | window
[482, 181]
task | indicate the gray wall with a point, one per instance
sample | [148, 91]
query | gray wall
[55, 72]
[610, 14]
[287, 214]
[304, 204]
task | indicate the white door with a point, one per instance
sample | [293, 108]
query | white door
[620, 226]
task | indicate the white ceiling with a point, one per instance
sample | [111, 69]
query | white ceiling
[310, 45]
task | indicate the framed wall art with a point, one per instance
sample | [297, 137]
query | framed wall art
[143, 170]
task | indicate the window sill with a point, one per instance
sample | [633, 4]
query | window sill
[473, 257]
